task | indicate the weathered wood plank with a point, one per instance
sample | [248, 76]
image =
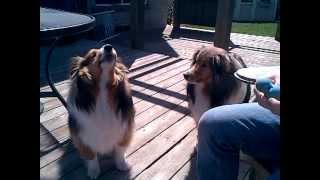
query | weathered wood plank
[142, 106]
[45, 116]
[58, 168]
[142, 62]
[167, 166]
[55, 154]
[168, 138]
[141, 94]
[162, 107]
[159, 70]
[163, 143]
[149, 88]
[188, 171]
[147, 133]
[54, 138]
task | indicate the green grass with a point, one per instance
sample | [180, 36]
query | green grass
[259, 29]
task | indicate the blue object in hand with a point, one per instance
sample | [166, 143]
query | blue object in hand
[269, 89]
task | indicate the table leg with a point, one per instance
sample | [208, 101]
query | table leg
[47, 63]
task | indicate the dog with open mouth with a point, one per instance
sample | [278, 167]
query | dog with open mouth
[101, 111]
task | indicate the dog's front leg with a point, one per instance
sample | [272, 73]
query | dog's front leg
[93, 167]
[120, 161]
[88, 155]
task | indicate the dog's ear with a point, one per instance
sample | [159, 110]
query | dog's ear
[121, 66]
[91, 54]
[85, 76]
[195, 55]
[75, 65]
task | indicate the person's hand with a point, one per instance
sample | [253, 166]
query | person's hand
[270, 103]
[275, 78]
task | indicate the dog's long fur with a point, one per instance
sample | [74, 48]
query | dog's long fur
[211, 82]
[101, 109]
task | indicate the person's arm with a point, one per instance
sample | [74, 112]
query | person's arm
[270, 103]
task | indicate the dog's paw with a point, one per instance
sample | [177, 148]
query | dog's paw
[122, 165]
[93, 173]
[93, 170]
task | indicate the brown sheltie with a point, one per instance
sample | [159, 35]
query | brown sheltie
[211, 82]
[101, 112]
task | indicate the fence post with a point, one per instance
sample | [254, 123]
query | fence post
[137, 23]
[91, 4]
[277, 37]
[223, 23]
[176, 15]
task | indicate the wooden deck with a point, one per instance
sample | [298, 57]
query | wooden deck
[165, 137]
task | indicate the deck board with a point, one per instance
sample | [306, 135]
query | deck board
[165, 136]
[166, 167]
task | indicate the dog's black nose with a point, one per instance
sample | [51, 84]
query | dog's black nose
[108, 47]
[186, 76]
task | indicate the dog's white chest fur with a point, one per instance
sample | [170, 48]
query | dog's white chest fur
[202, 103]
[100, 129]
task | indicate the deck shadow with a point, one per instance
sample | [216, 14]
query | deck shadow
[160, 102]
[156, 89]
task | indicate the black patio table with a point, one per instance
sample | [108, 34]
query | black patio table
[55, 25]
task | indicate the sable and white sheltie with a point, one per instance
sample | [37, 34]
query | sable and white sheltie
[211, 83]
[101, 112]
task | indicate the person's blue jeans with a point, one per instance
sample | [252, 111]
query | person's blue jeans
[224, 131]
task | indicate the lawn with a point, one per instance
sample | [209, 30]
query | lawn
[259, 29]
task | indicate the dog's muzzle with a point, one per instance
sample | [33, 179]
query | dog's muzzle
[107, 53]
[107, 48]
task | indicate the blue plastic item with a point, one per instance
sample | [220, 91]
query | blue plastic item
[269, 89]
